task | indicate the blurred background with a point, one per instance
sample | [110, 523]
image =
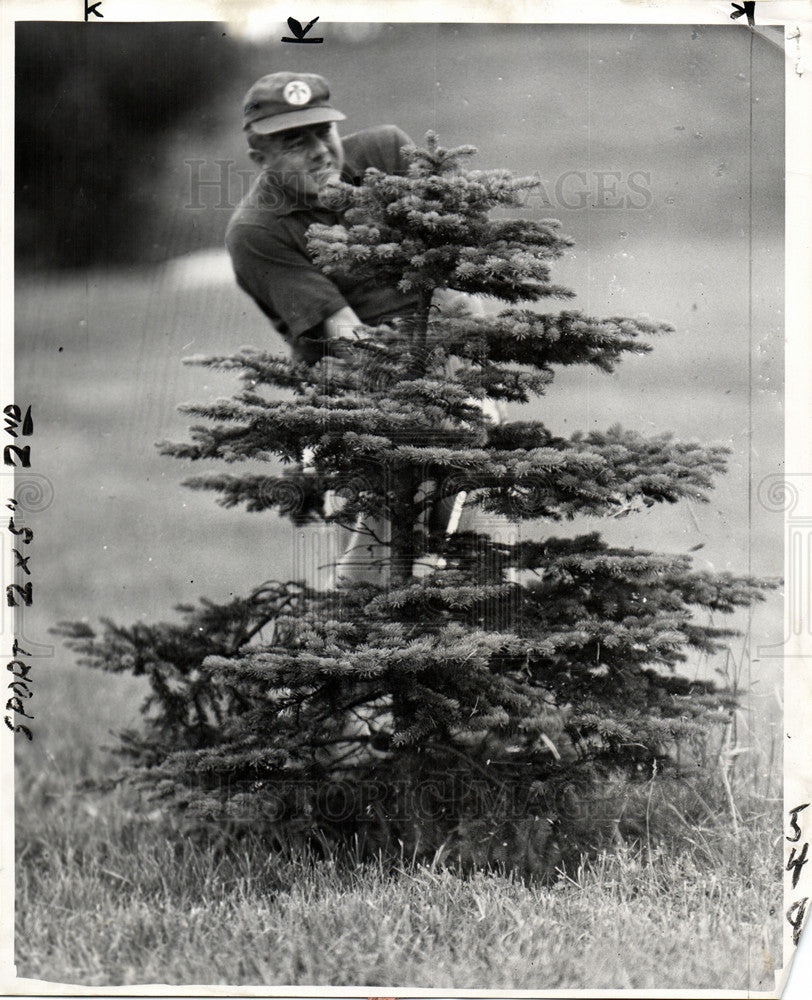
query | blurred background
[130, 160]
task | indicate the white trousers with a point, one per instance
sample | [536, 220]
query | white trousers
[334, 554]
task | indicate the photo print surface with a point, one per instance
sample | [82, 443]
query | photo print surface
[403, 510]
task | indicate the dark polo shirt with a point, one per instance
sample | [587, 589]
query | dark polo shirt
[266, 240]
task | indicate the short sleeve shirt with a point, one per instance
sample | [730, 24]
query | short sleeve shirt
[266, 241]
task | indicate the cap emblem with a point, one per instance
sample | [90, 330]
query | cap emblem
[297, 92]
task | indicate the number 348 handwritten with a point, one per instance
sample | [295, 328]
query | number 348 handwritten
[797, 859]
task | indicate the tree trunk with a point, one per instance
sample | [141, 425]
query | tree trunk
[405, 509]
[404, 514]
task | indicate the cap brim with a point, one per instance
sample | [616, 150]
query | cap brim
[295, 119]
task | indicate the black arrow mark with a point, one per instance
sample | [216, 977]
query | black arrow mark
[300, 32]
[749, 9]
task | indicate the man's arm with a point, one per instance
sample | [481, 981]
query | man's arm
[273, 267]
[340, 326]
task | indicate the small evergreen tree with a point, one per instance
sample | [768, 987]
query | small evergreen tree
[459, 706]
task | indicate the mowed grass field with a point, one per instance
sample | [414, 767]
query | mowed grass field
[108, 894]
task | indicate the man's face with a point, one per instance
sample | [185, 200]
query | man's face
[302, 160]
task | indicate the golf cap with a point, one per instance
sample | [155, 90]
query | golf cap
[280, 101]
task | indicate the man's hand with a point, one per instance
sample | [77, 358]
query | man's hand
[342, 325]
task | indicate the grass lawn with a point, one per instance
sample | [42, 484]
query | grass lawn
[108, 894]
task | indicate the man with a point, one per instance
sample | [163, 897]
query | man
[292, 136]
[291, 131]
